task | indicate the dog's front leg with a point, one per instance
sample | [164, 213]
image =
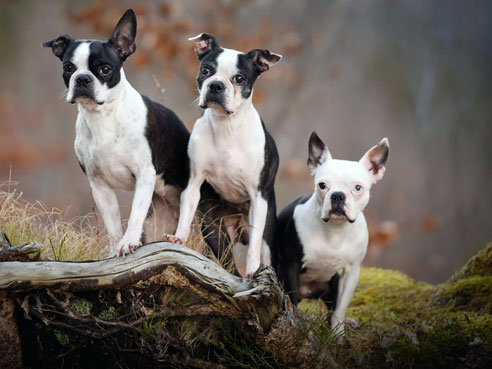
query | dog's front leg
[144, 188]
[189, 203]
[107, 204]
[348, 283]
[257, 217]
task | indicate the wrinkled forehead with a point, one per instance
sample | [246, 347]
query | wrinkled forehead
[342, 171]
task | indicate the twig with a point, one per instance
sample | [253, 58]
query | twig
[9, 252]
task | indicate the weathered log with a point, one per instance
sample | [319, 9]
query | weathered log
[46, 292]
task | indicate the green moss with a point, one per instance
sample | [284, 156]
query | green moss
[479, 265]
[405, 323]
[61, 337]
[81, 307]
[470, 294]
[385, 295]
[470, 289]
[109, 314]
[313, 307]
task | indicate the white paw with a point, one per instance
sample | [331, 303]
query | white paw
[126, 247]
[172, 239]
[338, 328]
[251, 268]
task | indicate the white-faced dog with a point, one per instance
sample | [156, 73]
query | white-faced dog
[123, 139]
[320, 233]
[232, 151]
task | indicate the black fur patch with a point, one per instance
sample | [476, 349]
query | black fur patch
[269, 171]
[67, 57]
[168, 139]
[291, 254]
[209, 61]
[102, 54]
[246, 67]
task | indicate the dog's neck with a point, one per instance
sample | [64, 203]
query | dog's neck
[224, 124]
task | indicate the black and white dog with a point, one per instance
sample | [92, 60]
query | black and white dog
[123, 139]
[320, 233]
[232, 151]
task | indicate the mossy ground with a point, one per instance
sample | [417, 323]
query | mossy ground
[410, 324]
[402, 323]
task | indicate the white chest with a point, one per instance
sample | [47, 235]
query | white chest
[113, 162]
[233, 171]
[328, 248]
[112, 144]
[231, 162]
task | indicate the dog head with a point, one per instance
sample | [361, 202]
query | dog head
[226, 77]
[93, 68]
[342, 186]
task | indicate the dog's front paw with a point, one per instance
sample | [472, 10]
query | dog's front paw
[251, 269]
[125, 248]
[338, 328]
[172, 239]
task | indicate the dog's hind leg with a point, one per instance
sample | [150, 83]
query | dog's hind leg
[330, 292]
[163, 214]
[215, 231]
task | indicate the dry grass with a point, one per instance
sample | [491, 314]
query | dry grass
[78, 239]
[75, 239]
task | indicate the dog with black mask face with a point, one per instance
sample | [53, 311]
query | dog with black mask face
[123, 139]
[233, 152]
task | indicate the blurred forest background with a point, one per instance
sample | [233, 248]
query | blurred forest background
[417, 72]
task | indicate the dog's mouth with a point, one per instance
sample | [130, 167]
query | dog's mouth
[85, 99]
[215, 102]
[337, 214]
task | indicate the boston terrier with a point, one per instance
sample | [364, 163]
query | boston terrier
[123, 139]
[320, 233]
[233, 152]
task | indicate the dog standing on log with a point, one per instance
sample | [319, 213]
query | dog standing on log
[233, 152]
[123, 139]
[319, 234]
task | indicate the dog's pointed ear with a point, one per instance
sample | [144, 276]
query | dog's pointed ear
[375, 159]
[318, 153]
[124, 34]
[204, 43]
[263, 59]
[59, 45]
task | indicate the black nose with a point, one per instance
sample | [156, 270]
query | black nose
[216, 87]
[83, 80]
[337, 198]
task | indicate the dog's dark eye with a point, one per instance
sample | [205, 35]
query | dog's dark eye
[239, 79]
[358, 188]
[322, 186]
[68, 68]
[205, 71]
[105, 70]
